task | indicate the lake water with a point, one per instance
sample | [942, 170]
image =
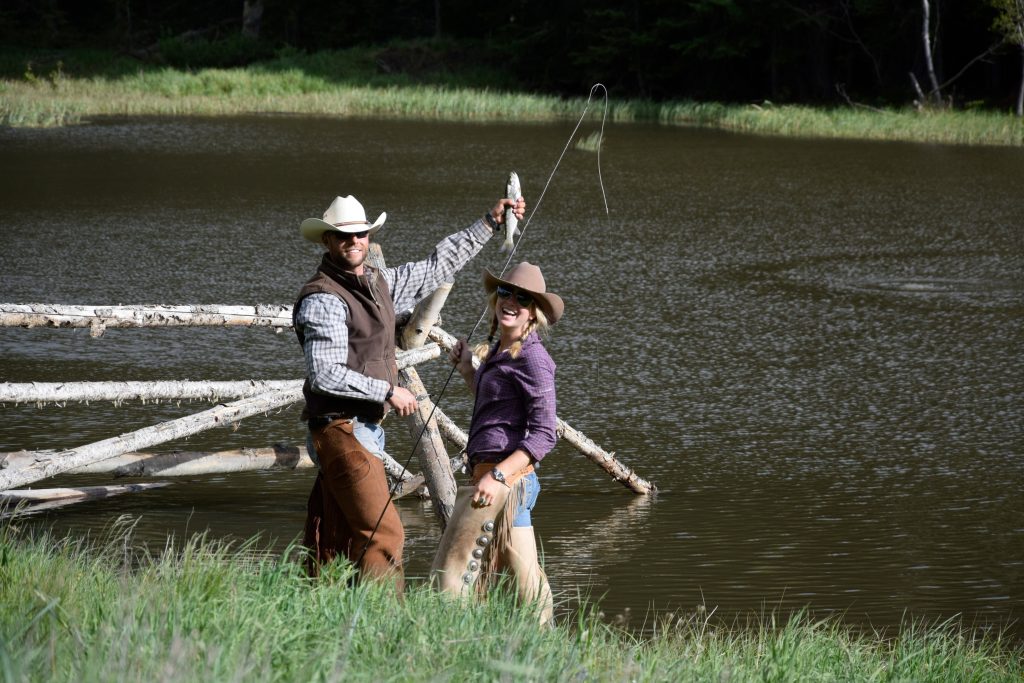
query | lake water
[813, 348]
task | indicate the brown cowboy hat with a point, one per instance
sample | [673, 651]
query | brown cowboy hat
[527, 277]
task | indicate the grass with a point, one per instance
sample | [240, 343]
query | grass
[41, 89]
[73, 610]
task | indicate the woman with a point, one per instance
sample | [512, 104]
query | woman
[512, 429]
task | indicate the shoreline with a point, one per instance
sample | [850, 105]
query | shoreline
[57, 99]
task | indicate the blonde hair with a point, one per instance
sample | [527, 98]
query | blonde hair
[539, 324]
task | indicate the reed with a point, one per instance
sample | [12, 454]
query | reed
[39, 90]
[100, 610]
[42, 91]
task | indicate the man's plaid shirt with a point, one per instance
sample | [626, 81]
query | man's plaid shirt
[323, 317]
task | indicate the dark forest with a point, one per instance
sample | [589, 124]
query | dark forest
[801, 51]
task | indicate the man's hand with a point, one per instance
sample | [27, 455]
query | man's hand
[403, 401]
[498, 212]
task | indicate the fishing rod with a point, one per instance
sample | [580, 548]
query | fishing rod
[483, 316]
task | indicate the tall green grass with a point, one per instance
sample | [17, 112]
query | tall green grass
[41, 90]
[104, 610]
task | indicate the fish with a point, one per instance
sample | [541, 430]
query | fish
[515, 192]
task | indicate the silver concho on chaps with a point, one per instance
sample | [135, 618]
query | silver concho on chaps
[466, 542]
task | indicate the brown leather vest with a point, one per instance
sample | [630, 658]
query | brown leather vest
[371, 336]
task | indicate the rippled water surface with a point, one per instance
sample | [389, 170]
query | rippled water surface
[812, 348]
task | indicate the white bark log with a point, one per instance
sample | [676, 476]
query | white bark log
[180, 463]
[424, 317]
[100, 317]
[450, 431]
[218, 416]
[607, 461]
[193, 463]
[430, 450]
[60, 392]
[427, 443]
[83, 492]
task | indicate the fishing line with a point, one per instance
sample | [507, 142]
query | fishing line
[483, 316]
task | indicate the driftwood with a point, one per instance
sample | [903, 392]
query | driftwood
[429, 447]
[60, 392]
[30, 501]
[258, 396]
[97, 318]
[49, 464]
[450, 430]
[63, 392]
[83, 492]
[193, 463]
[181, 463]
[602, 458]
[605, 460]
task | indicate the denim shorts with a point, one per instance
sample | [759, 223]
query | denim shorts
[531, 489]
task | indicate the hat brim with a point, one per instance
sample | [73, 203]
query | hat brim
[314, 228]
[550, 303]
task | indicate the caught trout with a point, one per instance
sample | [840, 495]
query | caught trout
[515, 192]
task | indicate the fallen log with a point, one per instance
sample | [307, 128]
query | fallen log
[619, 471]
[181, 463]
[428, 445]
[49, 463]
[194, 463]
[99, 318]
[61, 392]
[30, 501]
[84, 492]
[607, 461]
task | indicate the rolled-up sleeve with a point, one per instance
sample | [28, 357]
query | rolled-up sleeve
[413, 281]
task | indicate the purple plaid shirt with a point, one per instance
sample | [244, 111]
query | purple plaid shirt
[515, 405]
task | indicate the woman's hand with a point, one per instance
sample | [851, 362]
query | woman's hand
[487, 490]
[462, 358]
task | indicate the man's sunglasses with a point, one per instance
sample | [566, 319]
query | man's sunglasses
[522, 298]
[345, 235]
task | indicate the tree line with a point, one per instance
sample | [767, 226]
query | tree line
[875, 52]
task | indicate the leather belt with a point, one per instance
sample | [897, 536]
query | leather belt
[322, 421]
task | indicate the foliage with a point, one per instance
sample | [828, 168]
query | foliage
[722, 50]
[1009, 21]
[77, 610]
[197, 52]
[349, 83]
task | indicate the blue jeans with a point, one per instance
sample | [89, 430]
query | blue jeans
[369, 434]
[531, 489]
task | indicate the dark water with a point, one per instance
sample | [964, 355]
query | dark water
[813, 348]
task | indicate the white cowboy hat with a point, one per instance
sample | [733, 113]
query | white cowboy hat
[345, 214]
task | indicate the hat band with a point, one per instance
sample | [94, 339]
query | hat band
[338, 225]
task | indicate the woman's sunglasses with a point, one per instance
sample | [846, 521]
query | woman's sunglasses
[522, 298]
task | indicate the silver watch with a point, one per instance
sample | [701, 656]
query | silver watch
[496, 473]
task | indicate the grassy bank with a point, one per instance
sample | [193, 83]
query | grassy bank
[45, 90]
[72, 611]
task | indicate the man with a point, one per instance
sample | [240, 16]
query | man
[345, 321]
